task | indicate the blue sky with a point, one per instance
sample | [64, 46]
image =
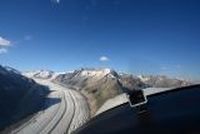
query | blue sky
[137, 36]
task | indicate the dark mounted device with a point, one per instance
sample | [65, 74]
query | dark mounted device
[137, 98]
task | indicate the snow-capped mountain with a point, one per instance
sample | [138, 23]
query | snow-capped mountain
[127, 80]
[12, 70]
[79, 77]
[42, 74]
[162, 81]
[18, 96]
[131, 82]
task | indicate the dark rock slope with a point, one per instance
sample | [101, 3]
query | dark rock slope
[19, 96]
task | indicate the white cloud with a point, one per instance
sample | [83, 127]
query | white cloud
[4, 42]
[104, 58]
[3, 50]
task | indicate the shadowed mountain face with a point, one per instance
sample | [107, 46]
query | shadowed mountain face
[19, 96]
